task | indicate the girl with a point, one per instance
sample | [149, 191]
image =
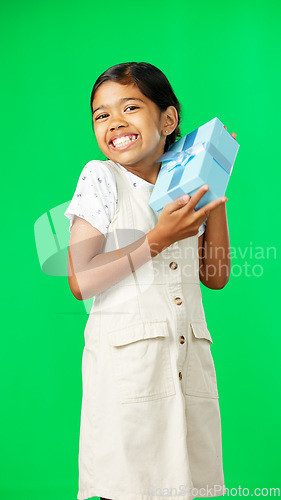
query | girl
[150, 418]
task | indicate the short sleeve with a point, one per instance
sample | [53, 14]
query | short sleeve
[95, 196]
[202, 228]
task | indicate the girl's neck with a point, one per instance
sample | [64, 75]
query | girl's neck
[148, 174]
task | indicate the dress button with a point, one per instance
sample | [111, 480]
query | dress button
[180, 375]
[178, 301]
[182, 339]
[173, 265]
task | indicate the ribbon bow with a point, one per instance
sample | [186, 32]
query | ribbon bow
[181, 158]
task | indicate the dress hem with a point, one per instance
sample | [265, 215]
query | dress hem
[97, 492]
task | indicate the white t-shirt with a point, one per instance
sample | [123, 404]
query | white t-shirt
[95, 196]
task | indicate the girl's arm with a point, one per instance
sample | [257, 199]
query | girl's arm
[90, 271]
[214, 250]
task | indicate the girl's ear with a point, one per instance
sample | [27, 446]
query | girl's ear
[171, 120]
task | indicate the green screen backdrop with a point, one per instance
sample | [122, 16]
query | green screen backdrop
[222, 59]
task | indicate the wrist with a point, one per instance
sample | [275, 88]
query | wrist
[158, 241]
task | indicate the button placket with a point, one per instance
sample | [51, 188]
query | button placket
[176, 294]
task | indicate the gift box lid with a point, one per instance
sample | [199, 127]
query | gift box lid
[213, 137]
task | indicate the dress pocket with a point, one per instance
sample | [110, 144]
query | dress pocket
[141, 361]
[201, 377]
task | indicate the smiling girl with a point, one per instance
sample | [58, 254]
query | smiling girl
[150, 418]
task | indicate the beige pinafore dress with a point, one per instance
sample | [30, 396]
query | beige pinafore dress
[150, 419]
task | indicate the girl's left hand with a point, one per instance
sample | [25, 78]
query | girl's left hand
[233, 133]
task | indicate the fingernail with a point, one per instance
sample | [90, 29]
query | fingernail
[185, 197]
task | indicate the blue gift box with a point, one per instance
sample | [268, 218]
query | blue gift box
[205, 156]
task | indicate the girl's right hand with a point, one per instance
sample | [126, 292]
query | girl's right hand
[179, 220]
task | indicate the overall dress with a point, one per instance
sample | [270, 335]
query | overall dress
[150, 419]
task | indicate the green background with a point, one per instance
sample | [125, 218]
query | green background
[222, 59]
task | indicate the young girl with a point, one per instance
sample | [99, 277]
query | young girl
[150, 418]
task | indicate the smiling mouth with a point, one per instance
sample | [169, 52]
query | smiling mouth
[124, 142]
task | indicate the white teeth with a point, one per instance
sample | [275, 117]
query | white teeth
[124, 140]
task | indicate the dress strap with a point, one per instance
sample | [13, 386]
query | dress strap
[122, 181]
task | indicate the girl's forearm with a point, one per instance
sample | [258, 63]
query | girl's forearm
[216, 250]
[107, 269]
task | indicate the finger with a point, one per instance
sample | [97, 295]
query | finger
[186, 197]
[202, 218]
[177, 204]
[225, 127]
[205, 211]
[197, 196]
[233, 135]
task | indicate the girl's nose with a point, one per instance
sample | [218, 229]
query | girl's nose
[117, 126]
[117, 122]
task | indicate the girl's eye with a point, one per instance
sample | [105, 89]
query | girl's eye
[134, 107]
[104, 114]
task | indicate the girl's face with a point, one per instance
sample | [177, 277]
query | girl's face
[130, 128]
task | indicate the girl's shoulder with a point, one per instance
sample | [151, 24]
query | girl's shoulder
[95, 196]
[96, 168]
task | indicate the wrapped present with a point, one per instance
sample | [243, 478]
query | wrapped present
[205, 156]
